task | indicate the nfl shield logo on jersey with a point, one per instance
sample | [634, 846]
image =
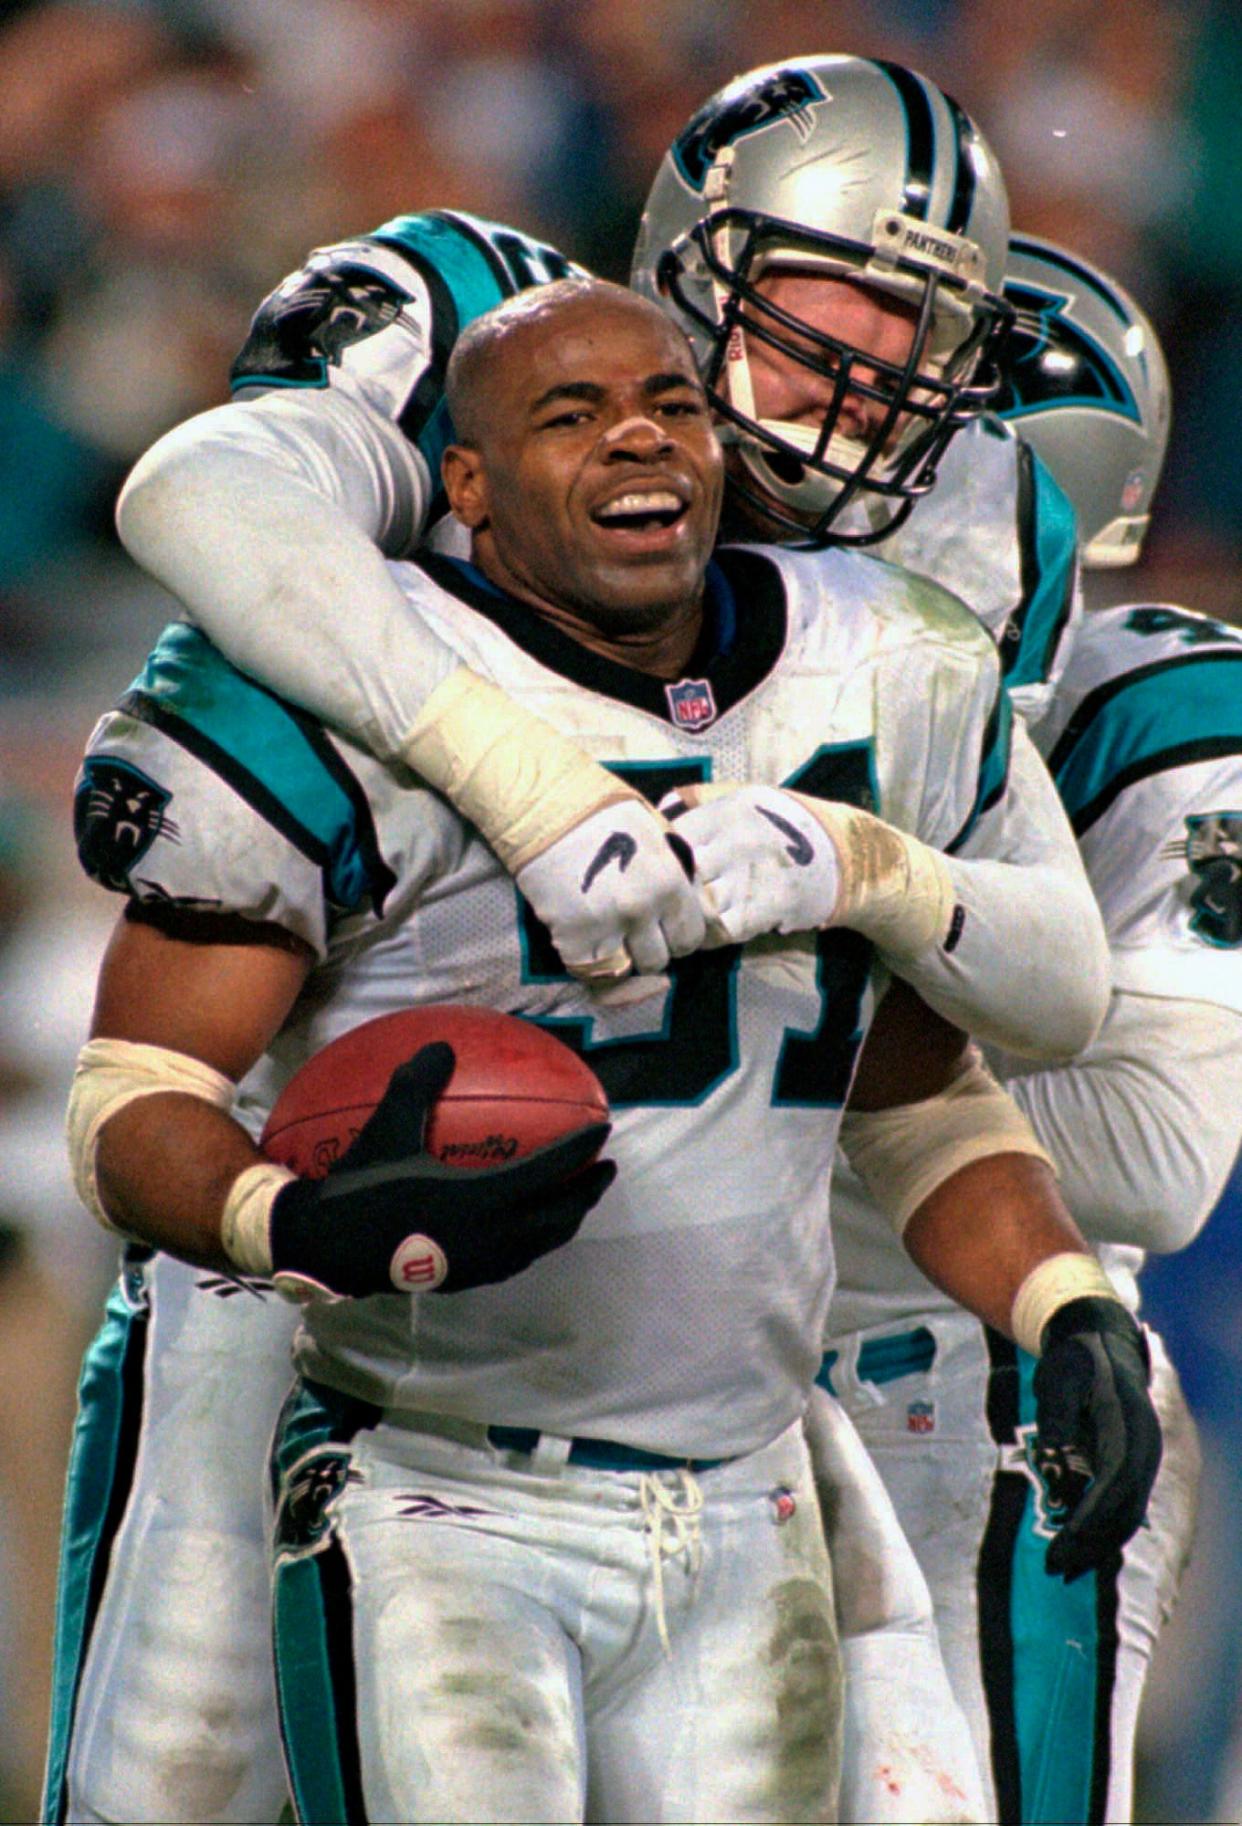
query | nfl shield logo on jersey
[690, 703]
[921, 1417]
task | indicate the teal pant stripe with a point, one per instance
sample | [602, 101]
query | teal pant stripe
[305, 1689]
[312, 1610]
[1056, 1666]
[101, 1464]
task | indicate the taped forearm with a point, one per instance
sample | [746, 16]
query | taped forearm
[110, 1075]
[895, 890]
[514, 776]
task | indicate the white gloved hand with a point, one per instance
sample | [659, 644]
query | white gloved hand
[615, 895]
[762, 861]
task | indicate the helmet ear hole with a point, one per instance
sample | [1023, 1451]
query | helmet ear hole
[1085, 384]
[854, 169]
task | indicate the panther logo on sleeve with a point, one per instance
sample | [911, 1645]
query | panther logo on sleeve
[306, 325]
[118, 812]
[1214, 852]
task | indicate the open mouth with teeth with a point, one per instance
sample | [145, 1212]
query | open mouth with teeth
[646, 513]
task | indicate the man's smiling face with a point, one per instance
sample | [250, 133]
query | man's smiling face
[593, 481]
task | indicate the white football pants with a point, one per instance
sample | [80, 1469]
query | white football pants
[466, 1632]
[1050, 1676]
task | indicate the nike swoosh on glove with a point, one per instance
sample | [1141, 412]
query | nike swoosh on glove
[763, 861]
[388, 1217]
[615, 894]
[1096, 1426]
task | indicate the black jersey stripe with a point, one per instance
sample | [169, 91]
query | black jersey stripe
[428, 395]
[336, 1587]
[920, 137]
[965, 174]
[1031, 576]
[1181, 754]
[1107, 1605]
[1096, 700]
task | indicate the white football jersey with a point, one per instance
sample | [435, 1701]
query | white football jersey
[999, 532]
[687, 1315]
[1144, 741]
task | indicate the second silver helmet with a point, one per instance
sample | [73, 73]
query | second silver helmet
[1085, 383]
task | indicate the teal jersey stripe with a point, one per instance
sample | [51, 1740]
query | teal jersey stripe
[1048, 535]
[1057, 1665]
[1177, 711]
[273, 755]
[101, 1463]
[465, 278]
[993, 767]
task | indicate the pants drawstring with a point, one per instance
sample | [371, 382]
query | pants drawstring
[672, 1515]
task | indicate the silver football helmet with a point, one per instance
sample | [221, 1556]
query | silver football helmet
[1085, 383]
[861, 170]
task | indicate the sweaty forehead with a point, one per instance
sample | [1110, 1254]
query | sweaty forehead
[607, 345]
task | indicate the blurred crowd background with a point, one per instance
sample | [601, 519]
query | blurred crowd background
[164, 162]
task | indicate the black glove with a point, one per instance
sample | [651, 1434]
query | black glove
[388, 1217]
[1097, 1435]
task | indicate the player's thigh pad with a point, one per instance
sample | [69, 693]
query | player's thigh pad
[163, 1705]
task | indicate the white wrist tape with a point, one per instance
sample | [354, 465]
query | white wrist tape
[111, 1073]
[903, 1154]
[1058, 1279]
[514, 776]
[895, 890]
[245, 1222]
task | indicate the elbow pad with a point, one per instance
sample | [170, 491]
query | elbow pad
[903, 1154]
[108, 1075]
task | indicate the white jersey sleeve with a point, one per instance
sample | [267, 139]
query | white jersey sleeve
[202, 792]
[1000, 533]
[269, 518]
[1146, 744]
[1025, 965]
[1145, 1126]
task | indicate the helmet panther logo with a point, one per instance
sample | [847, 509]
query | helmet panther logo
[786, 95]
[1053, 362]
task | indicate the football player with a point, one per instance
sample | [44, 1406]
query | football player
[270, 515]
[1144, 738]
[452, 1474]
